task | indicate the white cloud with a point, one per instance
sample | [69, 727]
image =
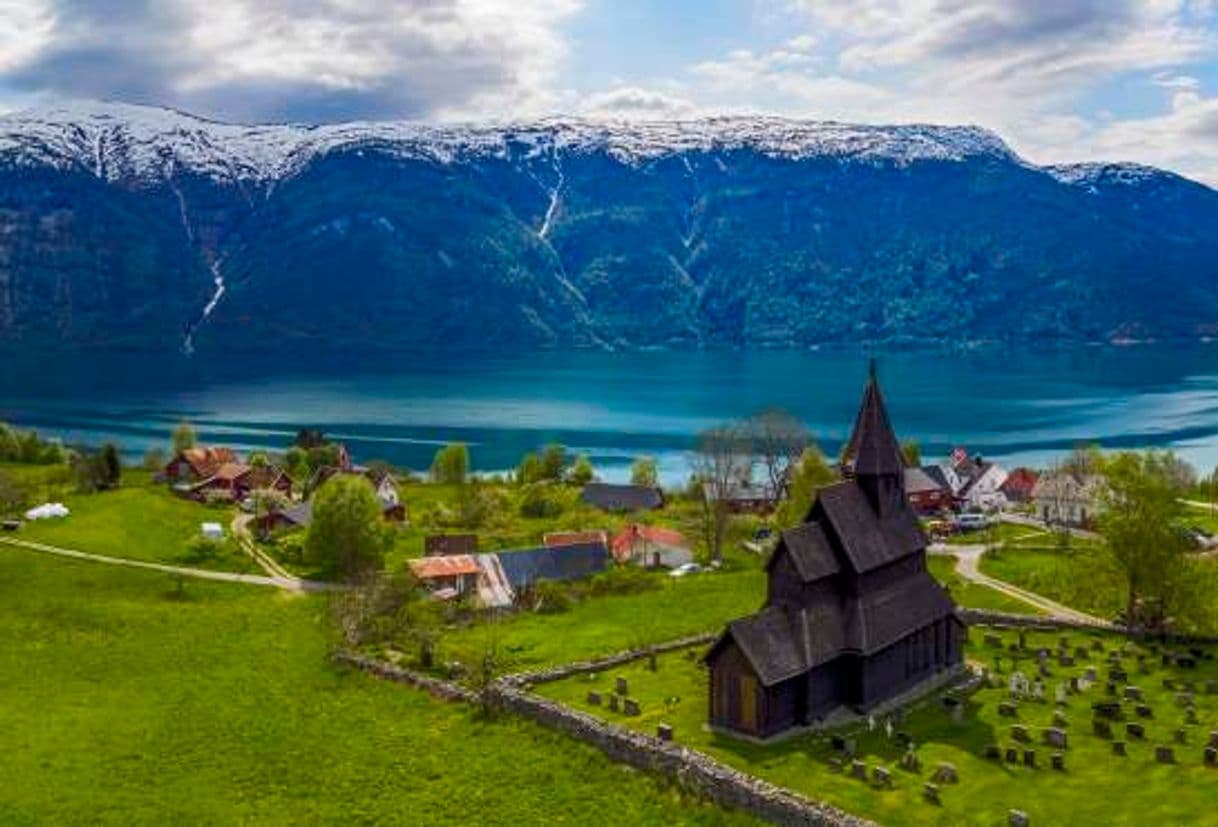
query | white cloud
[636, 102]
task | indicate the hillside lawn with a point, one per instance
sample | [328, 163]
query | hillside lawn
[973, 595]
[140, 520]
[122, 702]
[1083, 579]
[1097, 788]
[1000, 533]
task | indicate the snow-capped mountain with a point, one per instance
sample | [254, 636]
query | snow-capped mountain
[148, 227]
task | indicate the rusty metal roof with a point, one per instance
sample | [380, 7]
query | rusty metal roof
[427, 568]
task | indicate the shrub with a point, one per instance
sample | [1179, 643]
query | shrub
[541, 502]
[550, 597]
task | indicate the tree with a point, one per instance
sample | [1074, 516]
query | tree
[911, 453]
[722, 458]
[1141, 528]
[643, 471]
[811, 474]
[111, 465]
[259, 459]
[347, 534]
[553, 461]
[581, 472]
[778, 440]
[184, 437]
[296, 460]
[309, 438]
[530, 470]
[14, 495]
[266, 501]
[451, 464]
[154, 459]
[10, 448]
[99, 471]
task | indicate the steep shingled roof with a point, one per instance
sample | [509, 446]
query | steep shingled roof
[873, 448]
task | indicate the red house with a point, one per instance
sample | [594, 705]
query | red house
[197, 464]
[1019, 485]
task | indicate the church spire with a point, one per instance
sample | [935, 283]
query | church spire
[873, 453]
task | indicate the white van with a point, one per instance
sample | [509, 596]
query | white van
[972, 522]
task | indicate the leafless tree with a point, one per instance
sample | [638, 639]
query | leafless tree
[778, 439]
[722, 459]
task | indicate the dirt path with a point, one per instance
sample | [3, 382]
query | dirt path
[293, 584]
[1032, 522]
[240, 528]
[968, 559]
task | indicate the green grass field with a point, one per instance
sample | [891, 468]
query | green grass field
[1000, 533]
[973, 595]
[1083, 579]
[121, 703]
[1097, 788]
[142, 521]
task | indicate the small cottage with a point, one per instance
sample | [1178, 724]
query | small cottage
[610, 497]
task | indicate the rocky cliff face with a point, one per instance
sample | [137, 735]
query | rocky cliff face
[143, 228]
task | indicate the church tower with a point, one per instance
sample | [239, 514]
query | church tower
[873, 456]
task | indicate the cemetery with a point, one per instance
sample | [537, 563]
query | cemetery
[1047, 727]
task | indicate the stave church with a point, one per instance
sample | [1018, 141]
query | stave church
[852, 618]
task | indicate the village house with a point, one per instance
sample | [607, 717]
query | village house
[1020, 485]
[927, 490]
[1067, 499]
[611, 497]
[555, 539]
[194, 465]
[976, 484]
[742, 496]
[235, 481]
[442, 545]
[447, 576]
[651, 547]
[852, 618]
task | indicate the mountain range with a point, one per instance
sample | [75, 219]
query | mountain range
[145, 228]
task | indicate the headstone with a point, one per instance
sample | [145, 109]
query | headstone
[1133, 693]
[910, 761]
[1190, 715]
[1065, 660]
[664, 732]
[858, 770]
[1101, 728]
[1043, 670]
[1118, 675]
[1097, 646]
[1075, 686]
[1213, 742]
[881, 778]
[1112, 687]
[1063, 643]
[1186, 662]
[1008, 710]
[1118, 748]
[613, 703]
[1108, 709]
[594, 698]
[930, 792]
[835, 764]
[1180, 735]
[622, 687]
[957, 713]
[1019, 732]
[1058, 761]
[1135, 730]
[945, 773]
[1211, 756]
[1081, 653]
[1012, 755]
[993, 640]
[1165, 755]
[992, 752]
[1059, 719]
[630, 707]
[1169, 684]
[1184, 699]
[1144, 711]
[1017, 818]
[1060, 696]
[1029, 758]
[1055, 737]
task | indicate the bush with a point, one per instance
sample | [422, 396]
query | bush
[550, 597]
[451, 464]
[621, 580]
[540, 501]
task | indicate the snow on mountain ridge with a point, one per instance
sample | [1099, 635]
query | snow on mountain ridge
[148, 144]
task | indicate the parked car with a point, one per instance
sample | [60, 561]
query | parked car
[684, 569]
[972, 521]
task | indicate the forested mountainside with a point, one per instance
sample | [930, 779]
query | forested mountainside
[134, 227]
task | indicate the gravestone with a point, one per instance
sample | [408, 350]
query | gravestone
[1108, 709]
[664, 732]
[1180, 735]
[1165, 755]
[1213, 742]
[1063, 643]
[1211, 756]
[1097, 646]
[858, 770]
[1055, 737]
[1190, 715]
[594, 698]
[630, 707]
[1169, 684]
[1017, 818]
[1080, 653]
[1118, 748]
[930, 792]
[1186, 662]
[1029, 758]
[910, 761]
[1043, 669]
[1184, 699]
[1133, 693]
[622, 687]
[1135, 730]
[1144, 711]
[835, 764]
[1012, 755]
[1059, 719]
[1091, 674]
[993, 640]
[992, 752]
[1118, 675]
[1101, 728]
[613, 703]
[1065, 660]
[946, 773]
[1112, 687]
[1074, 686]
[881, 778]
[1007, 709]
[1058, 761]
[1019, 732]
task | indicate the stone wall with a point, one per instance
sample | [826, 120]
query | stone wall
[985, 617]
[445, 690]
[580, 667]
[689, 769]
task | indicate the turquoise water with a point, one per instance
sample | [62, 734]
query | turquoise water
[1019, 406]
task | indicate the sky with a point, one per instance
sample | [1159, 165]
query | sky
[1060, 80]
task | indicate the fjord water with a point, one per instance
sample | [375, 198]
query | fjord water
[1016, 405]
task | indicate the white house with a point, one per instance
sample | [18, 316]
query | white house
[1063, 498]
[975, 483]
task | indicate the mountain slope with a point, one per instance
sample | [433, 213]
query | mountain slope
[118, 224]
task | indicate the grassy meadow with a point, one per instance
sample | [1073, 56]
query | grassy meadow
[1096, 787]
[125, 702]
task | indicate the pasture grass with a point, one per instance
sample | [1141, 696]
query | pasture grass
[125, 702]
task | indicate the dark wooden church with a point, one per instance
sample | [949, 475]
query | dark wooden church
[852, 618]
